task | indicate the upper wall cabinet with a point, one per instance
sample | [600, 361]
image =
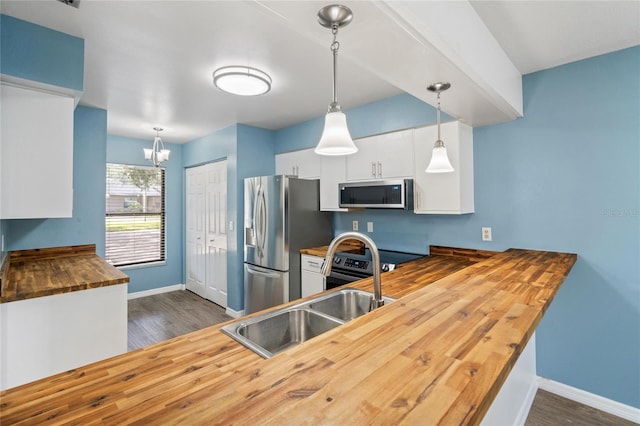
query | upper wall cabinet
[444, 193]
[333, 170]
[36, 154]
[383, 156]
[304, 164]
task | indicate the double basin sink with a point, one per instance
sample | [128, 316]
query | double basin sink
[276, 331]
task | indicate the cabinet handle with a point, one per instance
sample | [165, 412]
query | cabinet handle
[379, 169]
[373, 168]
[313, 263]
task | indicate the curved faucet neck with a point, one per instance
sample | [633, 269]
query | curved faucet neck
[375, 258]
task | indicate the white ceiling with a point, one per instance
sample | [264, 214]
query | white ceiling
[149, 63]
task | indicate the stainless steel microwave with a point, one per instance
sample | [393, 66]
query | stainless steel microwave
[377, 194]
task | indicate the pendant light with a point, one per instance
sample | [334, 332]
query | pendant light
[335, 139]
[439, 160]
[157, 154]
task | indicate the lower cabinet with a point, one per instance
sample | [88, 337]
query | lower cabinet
[512, 404]
[51, 334]
[311, 278]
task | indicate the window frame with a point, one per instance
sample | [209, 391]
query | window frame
[162, 214]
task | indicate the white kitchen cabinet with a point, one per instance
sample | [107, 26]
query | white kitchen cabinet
[444, 193]
[311, 278]
[51, 334]
[37, 154]
[304, 164]
[385, 156]
[333, 170]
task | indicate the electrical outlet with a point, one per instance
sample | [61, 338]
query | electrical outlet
[355, 225]
[486, 234]
[369, 226]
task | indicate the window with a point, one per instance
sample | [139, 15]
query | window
[135, 217]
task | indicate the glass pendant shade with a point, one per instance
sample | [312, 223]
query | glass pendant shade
[335, 139]
[439, 160]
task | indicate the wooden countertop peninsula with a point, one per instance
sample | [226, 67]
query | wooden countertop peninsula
[55, 270]
[438, 355]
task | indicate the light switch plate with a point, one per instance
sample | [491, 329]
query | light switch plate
[369, 226]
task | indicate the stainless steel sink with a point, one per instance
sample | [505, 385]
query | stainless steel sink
[276, 333]
[283, 328]
[345, 304]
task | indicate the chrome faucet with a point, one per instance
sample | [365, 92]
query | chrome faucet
[377, 301]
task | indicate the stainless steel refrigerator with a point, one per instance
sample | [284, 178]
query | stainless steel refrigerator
[281, 216]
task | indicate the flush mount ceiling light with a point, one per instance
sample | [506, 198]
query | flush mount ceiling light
[242, 81]
[335, 139]
[157, 154]
[439, 160]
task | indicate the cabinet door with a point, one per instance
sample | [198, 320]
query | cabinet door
[304, 164]
[383, 156]
[395, 155]
[37, 154]
[332, 172]
[363, 165]
[444, 193]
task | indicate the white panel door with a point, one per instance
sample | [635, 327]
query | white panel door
[195, 210]
[216, 232]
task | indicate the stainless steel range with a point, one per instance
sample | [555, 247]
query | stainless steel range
[349, 267]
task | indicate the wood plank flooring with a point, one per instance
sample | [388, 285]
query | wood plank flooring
[160, 317]
[163, 316]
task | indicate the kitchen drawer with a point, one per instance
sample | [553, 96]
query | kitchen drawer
[311, 263]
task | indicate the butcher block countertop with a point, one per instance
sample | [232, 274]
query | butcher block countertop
[349, 246]
[47, 271]
[438, 355]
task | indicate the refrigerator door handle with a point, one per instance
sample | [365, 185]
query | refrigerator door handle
[261, 221]
[261, 273]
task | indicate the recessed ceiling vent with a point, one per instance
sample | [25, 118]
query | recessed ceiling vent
[73, 3]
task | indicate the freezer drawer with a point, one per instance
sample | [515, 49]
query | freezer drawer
[264, 288]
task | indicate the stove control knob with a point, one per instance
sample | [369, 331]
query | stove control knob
[337, 260]
[385, 267]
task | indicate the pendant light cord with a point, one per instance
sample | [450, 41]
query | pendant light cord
[334, 48]
[438, 117]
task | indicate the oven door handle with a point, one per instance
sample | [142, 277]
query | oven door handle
[346, 277]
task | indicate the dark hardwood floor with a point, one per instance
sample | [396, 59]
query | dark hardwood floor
[163, 316]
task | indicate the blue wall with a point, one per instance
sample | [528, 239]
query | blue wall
[249, 151]
[40, 54]
[563, 178]
[89, 169]
[129, 151]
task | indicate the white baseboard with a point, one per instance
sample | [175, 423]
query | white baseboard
[234, 314]
[592, 400]
[153, 291]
